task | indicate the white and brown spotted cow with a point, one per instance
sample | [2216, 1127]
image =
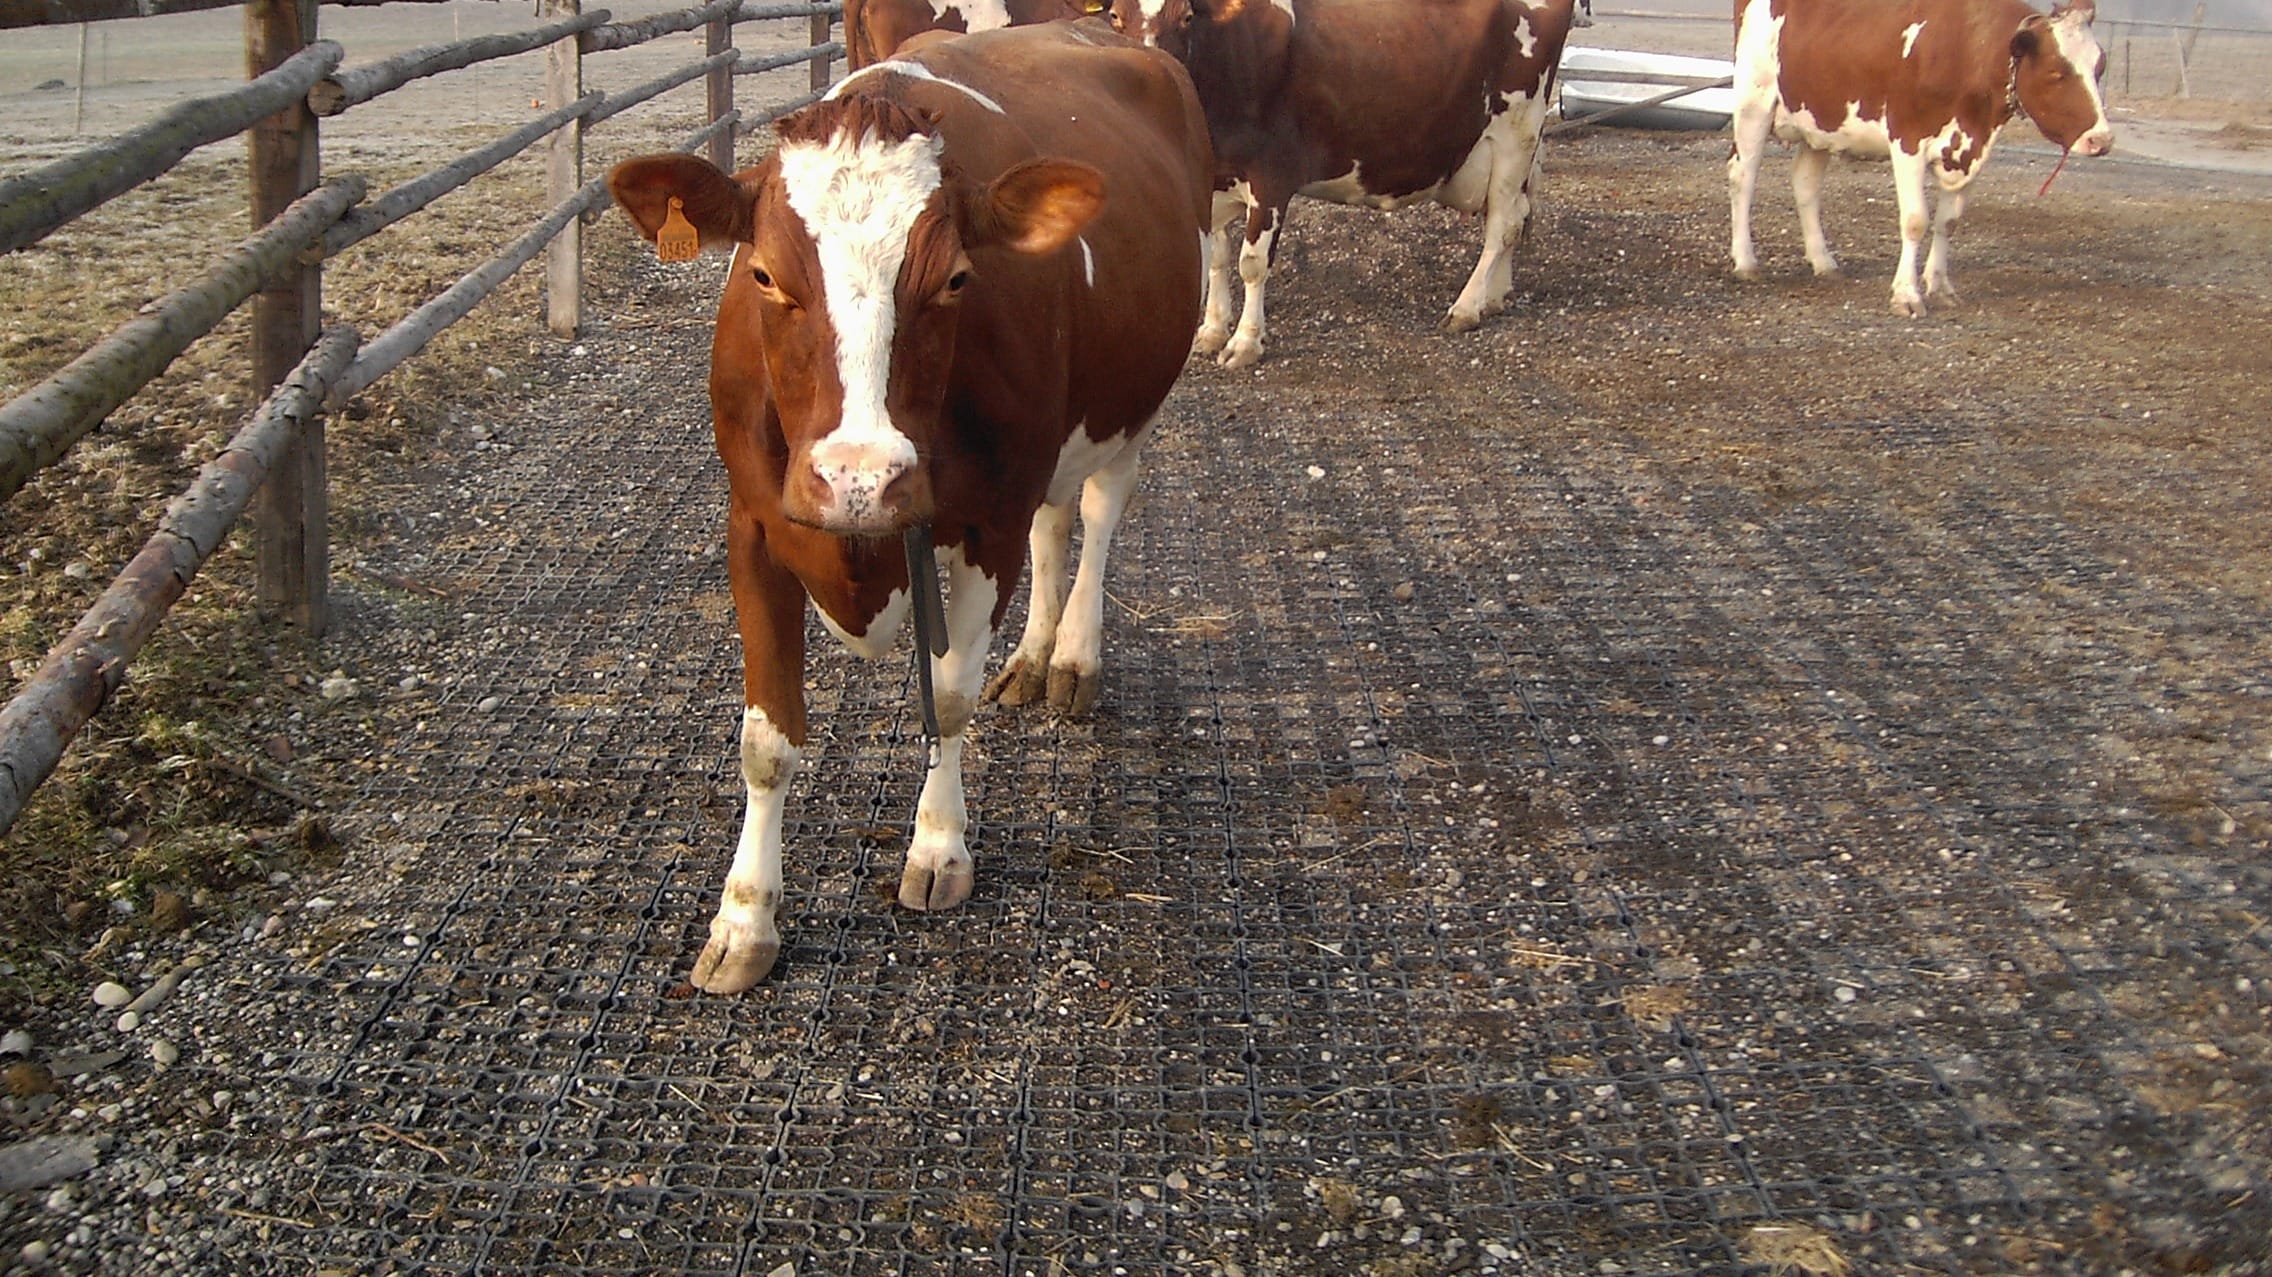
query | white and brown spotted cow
[874, 29]
[1927, 83]
[962, 285]
[1379, 103]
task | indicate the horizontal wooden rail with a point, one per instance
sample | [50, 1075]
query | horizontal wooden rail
[81, 672]
[421, 191]
[662, 84]
[344, 89]
[764, 12]
[1569, 75]
[34, 204]
[623, 35]
[387, 351]
[775, 62]
[41, 424]
[57, 13]
[731, 120]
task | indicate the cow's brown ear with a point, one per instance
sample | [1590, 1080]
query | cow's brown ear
[717, 206]
[2029, 37]
[1037, 207]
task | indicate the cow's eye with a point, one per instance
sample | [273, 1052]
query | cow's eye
[956, 281]
[764, 280]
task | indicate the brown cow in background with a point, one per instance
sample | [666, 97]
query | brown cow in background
[1925, 83]
[874, 29]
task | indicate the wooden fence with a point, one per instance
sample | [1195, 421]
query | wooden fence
[275, 463]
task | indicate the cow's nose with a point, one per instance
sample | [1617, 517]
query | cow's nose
[857, 478]
[2096, 142]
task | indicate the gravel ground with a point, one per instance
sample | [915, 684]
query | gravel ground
[1692, 777]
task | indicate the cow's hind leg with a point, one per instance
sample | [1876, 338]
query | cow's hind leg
[1025, 676]
[938, 872]
[1945, 213]
[1075, 669]
[1807, 167]
[1222, 257]
[1753, 118]
[1512, 144]
[1909, 196]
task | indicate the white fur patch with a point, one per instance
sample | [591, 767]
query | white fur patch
[913, 71]
[1088, 263]
[1909, 36]
[1525, 38]
[859, 199]
[1150, 11]
[2079, 45]
[883, 628]
[1287, 7]
[1081, 457]
[977, 15]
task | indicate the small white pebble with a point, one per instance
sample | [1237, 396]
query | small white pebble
[489, 704]
[112, 995]
[1843, 994]
[164, 1053]
[129, 1021]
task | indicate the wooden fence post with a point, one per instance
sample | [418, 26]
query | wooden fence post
[718, 90]
[819, 27]
[290, 520]
[564, 265]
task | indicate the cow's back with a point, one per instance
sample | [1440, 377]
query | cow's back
[1855, 74]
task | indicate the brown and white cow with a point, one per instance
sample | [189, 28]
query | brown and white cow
[1926, 83]
[1379, 103]
[962, 284]
[874, 29]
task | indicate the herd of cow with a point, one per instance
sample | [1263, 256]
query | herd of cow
[964, 282]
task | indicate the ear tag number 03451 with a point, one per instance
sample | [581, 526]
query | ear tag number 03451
[677, 240]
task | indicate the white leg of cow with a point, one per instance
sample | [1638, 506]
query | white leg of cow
[1909, 196]
[1506, 209]
[1025, 676]
[1807, 167]
[1945, 213]
[743, 939]
[1245, 349]
[1075, 672]
[1752, 120]
[938, 869]
[1222, 260]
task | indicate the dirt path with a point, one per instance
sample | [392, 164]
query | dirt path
[1687, 759]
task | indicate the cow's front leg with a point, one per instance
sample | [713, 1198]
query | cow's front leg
[1076, 667]
[1219, 257]
[938, 871]
[1909, 196]
[1753, 117]
[1262, 226]
[769, 605]
[1025, 676]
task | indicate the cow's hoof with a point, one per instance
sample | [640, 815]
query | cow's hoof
[1748, 274]
[1021, 682]
[1942, 296]
[1456, 322]
[922, 887]
[1243, 352]
[1829, 271]
[1073, 692]
[730, 967]
[1910, 307]
[1209, 340]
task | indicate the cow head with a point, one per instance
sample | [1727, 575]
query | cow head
[2056, 65]
[858, 245]
[1168, 24]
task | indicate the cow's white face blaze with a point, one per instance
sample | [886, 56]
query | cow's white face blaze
[2056, 67]
[859, 198]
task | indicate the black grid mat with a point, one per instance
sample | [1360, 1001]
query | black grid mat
[1480, 860]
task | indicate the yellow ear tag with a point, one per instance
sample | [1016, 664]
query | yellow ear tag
[677, 241]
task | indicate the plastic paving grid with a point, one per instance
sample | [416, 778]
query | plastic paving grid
[1589, 899]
